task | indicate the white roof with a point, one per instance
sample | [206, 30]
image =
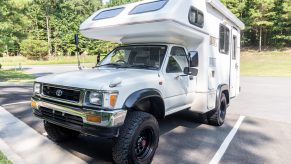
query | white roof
[169, 24]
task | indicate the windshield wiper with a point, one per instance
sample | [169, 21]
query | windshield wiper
[108, 64]
[143, 66]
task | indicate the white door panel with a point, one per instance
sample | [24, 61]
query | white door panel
[174, 90]
[178, 88]
[234, 64]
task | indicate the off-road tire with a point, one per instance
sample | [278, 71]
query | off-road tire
[58, 134]
[127, 145]
[216, 117]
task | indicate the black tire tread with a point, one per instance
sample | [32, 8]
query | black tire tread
[212, 116]
[122, 143]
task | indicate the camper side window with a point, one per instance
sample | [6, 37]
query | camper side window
[223, 39]
[108, 13]
[148, 7]
[196, 17]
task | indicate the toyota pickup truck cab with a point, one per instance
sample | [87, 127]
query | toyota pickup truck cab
[175, 55]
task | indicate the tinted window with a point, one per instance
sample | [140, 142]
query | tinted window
[196, 17]
[223, 39]
[234, 48]
[108, 14]
[200, 19]
[148, 7]
[194, 59]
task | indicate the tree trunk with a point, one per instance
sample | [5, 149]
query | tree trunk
[48, 35]
[265, 39]
[56, 50]
[260, 42]
[7, 51]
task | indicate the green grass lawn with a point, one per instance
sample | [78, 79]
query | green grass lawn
[15, 76]
[270, 63]
[3, 159]
[15, 61]
[253, 63]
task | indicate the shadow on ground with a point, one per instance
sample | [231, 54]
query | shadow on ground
[12, 94]
[182, 140]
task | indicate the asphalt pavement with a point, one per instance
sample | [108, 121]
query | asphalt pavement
[263, 137]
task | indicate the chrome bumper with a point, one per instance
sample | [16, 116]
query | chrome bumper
[108, 119]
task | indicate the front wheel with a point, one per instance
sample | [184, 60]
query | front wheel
[138, 139]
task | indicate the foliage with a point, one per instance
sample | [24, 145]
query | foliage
[12, 21]
[56, 22]
[119, 2]
[265, 19]
[34, 49]
[3, 159]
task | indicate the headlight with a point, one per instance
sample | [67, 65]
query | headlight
[36, 88]
[95, 98]
[103, 99]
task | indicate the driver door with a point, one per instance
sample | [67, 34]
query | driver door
[177, 86]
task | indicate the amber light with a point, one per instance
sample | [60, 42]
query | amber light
[34, 104]
[113, 99]
[93, 118]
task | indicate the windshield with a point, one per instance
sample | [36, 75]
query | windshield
[137, 57]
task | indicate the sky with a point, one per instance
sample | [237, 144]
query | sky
[104, 1]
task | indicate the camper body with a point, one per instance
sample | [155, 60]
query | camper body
[176, 55]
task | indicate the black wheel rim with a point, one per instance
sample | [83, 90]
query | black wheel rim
[222, 112]
[144, 143]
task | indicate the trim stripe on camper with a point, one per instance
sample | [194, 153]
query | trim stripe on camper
[153, 21]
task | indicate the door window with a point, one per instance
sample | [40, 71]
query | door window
[177, 61]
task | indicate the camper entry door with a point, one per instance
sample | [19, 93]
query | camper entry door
[234, 63]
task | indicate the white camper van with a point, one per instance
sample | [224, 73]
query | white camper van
[174, 55]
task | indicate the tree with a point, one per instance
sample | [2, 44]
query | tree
[281, 33]
[120, 2]
[12, 26]
[34, 49]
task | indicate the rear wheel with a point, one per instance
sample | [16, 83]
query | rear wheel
[58, 133]
[216, 117]
[138, 139]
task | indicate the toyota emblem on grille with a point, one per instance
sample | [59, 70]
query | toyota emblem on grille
[59, 93]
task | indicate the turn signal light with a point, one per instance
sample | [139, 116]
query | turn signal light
[34, 104]
[92, 118]
[113, 99]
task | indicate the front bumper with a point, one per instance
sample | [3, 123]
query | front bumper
[76, 118]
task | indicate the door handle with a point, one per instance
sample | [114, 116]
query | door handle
[236, 66]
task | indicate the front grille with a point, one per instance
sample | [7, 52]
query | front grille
[61, 117]
[61, 93]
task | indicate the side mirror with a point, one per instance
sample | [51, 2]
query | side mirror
[190, 71]
[193, 59]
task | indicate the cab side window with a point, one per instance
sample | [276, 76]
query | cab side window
[177, 61]
[173, 66]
